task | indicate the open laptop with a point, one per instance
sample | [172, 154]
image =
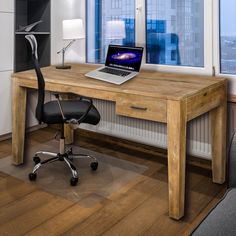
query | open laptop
[122, 64]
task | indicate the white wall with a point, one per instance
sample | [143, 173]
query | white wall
[63, 10]
[6, 41]
[7, 6]
[6, 63]
[5, 102]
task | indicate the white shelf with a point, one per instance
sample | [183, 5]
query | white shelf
[32, 32]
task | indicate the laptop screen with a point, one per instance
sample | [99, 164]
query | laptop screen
[128, 58]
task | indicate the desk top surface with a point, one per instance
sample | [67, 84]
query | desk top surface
[147, 83]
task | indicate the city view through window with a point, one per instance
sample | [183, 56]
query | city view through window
[228, 36]
[174, 31]
[117, 11]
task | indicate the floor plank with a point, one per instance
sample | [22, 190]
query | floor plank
[21, 205]
[138, 208]
[12, 189]
[117, 209]
[34, 217]
[141, 218]
[67, 219]
[5, 148]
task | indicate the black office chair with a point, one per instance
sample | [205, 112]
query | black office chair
[61, 112]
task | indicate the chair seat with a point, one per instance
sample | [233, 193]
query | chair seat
[72, 109]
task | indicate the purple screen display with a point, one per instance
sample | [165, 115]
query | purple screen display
[124, 57]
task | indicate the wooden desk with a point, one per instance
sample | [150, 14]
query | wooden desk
[169, 98]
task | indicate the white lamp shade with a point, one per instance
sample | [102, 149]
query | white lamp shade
[115, 29]
[73, 29]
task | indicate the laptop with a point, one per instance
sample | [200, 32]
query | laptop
[122, 64]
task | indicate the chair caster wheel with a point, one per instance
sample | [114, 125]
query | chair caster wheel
[32, 176]
[36, 160]
[73, 181]
[94, 166]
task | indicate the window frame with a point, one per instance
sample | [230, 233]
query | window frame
[84, 5]
[209, 44]
[208, 39]
[216, 50]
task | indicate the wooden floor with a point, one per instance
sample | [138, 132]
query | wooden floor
[139, 208]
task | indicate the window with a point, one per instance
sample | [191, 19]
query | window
[178, 30]
[227, 37]
[109, 22]
[173, 4]
[176, 34]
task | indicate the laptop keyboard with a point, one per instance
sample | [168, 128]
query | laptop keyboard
[115, 72]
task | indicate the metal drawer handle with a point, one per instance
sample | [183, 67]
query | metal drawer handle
[139, 108]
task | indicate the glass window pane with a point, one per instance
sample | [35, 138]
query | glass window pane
[109, 22]
[175, 32]
[228, 36]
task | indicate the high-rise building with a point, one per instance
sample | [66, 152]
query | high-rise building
[184, 22]
[174, 30]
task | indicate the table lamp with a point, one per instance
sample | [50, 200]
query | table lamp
[115, 29]
[72, 30]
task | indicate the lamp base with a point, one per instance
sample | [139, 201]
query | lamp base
[63, 67]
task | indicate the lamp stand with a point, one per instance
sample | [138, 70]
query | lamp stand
[63, 51]
[63, 66]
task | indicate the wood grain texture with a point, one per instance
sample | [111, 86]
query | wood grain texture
[24, 204]
[138, 208]
[218, 147]
[147, 83]
[231, 98]
[205, 101]
[18, 122]
[111, 213]
[21, 224]
[141, 107]
[161, 97]
[15, 189]
[176, 130]
[70, 217]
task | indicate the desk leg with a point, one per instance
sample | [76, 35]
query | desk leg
[18, 122]
[218, 140]
[176, 129]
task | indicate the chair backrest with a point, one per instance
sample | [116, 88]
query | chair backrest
[232, 162]
[41, 84]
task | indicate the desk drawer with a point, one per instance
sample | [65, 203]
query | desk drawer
[146, 108]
